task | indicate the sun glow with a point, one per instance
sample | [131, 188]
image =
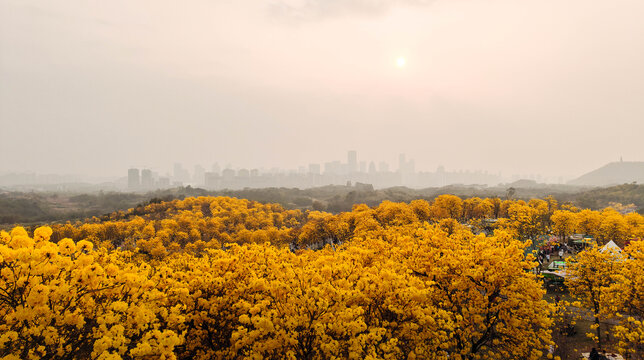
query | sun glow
[400, 62]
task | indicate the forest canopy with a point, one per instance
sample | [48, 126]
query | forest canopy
[227, 278]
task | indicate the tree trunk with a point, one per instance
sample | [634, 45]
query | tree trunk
[599, 333]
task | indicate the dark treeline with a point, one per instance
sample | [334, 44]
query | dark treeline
[38, 207]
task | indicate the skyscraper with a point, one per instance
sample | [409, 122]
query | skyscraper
[147, 182]
[133, 179]
[352, 161]
[181, 175]
[198, 175]
[401, 163]
[314, 169]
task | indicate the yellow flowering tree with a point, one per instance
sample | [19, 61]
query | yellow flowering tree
[624, 301]
[590, 275]
[213, 278]
[483, 283]
[67, 300]
[564, 223]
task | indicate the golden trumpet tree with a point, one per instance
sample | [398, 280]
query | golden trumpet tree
[483, 283]
[624, 301]
[67, 300]
[588, 222]
[447, 206]
[590, 275]
[564, 223]
[613, 227]
[214, 278]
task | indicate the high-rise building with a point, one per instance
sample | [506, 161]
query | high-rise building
[147, 182]
[401, 163]
[406, 166]
[352, 161]
[180, 174]
[406, 170]
[133, 179]
[314, 169]
[211, 180]
[163, 182]
[198, 175]
[228, 174]
[333, 168]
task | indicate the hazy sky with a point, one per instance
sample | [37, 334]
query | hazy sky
[547, 86]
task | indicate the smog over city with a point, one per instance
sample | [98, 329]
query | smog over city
[541, 90]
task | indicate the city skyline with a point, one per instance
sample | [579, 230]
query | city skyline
[545, 87]
[336, 172]
[352, 168]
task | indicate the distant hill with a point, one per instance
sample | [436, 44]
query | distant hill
[614, 173]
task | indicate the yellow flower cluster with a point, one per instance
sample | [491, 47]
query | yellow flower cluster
[611, 285]
[191, 225]
[212, 278]
[57, 301]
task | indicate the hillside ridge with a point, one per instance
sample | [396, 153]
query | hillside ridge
[613, 173]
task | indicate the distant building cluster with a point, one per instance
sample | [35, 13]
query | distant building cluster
[354, 170]
[330, 173]
[146, 180]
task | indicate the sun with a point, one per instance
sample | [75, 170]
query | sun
[400, 62]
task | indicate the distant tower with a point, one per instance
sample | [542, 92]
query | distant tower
[314, 169]
[211, 180]
[180, 174]
[133, 179]
[401, 162]
[372, 168]
[146, 179]
[198, 176]
[228, 174]
[352, 161]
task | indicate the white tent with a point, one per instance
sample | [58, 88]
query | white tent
[611, 246]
